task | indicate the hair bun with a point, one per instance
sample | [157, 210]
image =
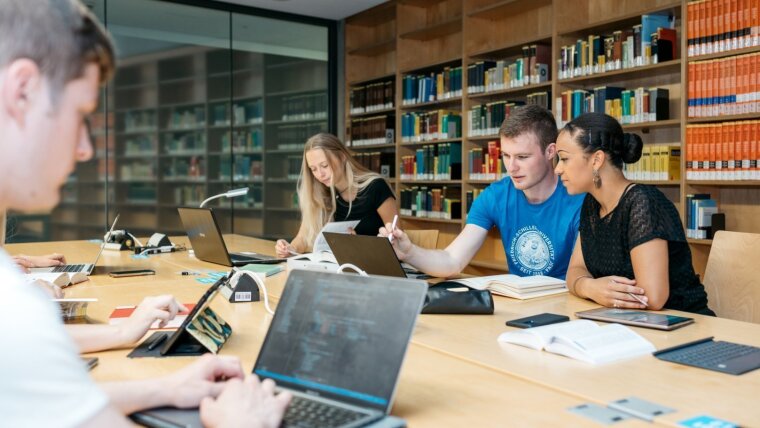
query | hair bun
[632, 146]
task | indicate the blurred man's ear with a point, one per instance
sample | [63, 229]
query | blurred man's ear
[18, 88]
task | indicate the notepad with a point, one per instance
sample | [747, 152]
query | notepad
[263, 270]
[582, 340]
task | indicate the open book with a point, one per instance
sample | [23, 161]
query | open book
[583, 340]
[61, 279]
[517, 287]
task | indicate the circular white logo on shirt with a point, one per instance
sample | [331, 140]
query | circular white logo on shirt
[532, 251]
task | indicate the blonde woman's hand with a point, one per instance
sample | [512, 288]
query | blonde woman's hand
[284, 249]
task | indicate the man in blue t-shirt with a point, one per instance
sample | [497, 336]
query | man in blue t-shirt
[537, 219]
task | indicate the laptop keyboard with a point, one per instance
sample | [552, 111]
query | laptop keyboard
[710, 354]
[303, 413]
[68, 268]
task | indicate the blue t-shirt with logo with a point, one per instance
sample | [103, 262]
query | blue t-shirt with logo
[538, 238]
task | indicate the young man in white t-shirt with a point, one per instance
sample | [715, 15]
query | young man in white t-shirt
[53, 57]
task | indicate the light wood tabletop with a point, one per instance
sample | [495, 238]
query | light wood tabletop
[456, 372]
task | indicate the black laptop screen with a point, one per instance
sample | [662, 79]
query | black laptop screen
[341, 336]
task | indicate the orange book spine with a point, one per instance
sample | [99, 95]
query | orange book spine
[754, 83]
[732, 84]
[701, 27]
[718, 25]
[688, 152]
[712, 153]
[753, 153]
[744, 154]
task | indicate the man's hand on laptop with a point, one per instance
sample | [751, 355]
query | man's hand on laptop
[402, 245]
[206, 377]
[245, 403]
[162, 308]
[28, 262]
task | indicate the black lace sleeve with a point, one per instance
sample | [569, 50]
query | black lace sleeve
[651, 216]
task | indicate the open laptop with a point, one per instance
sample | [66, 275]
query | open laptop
[208, 243]
[86, 268]
[336, 343]
[373, 254]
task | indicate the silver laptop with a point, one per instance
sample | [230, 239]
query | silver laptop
[373, 254]
[87, 268]
[207, 241]
[336, 343]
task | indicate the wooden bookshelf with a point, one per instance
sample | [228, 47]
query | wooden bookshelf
[432, 34]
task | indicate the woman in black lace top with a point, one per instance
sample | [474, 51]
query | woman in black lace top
[631, 251]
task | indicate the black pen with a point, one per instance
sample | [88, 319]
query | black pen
[157, 341]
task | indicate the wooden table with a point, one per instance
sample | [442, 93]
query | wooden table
[456, 373]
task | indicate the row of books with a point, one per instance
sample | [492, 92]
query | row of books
[248, 113]
[140, 145]
[243, 141]
[417, 89]
[304, 107]
[699, 211]
[186, 117]
[651, 42]
[425, 202]
[541, 99]
[189, 194]
[721, 25]
[192, 168]
[186, 142]
[659, 162]
[724, 86]
[530, 69]
[241, 168]
[723, 151]
[140, 121]
[141, 193]
[486, 119]
[293, 137]
[293, 167]
[372, 97]
[433, 162]
[137, 170]
[470, 196]
[372, 130]
[486, 164]
[379, 162]
[433, 125]
[628, 106]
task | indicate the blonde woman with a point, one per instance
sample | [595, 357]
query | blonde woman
[335, 187]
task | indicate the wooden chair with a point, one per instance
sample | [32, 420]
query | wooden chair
[731, 279]
[425, 238]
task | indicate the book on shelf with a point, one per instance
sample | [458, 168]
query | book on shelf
[304, 107]
[620, 49]
[516, 287]
[699, 210]
[722, 151]
[425, 202]
[529, 69]
[486, 164]
[659, 162]
[61, 279]
[433, 162]
[470, 197]
[428, 126]
[582, 340]
[715, 26]
[293, 136]
[724, 86]
[640, 105]
[372, 97]
[372, 130]
[418, 89]
[486, 119]
[379, 162]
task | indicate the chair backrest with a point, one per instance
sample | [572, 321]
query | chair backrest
[425, 238]
[731, 278]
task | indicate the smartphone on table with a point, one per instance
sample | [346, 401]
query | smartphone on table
[137, 272]
[537, 320]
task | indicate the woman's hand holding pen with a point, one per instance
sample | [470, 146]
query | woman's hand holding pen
[284, 249]
[614, 292]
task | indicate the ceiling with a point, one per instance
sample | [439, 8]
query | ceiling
[328, 9]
